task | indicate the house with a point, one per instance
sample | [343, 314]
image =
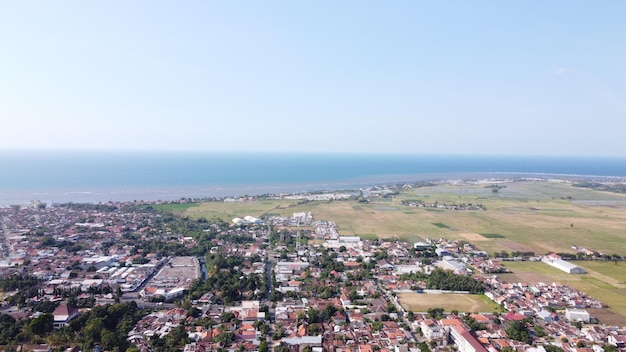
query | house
[617, 340]
[63, 314]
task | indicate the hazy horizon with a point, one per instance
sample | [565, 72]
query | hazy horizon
[58, 151]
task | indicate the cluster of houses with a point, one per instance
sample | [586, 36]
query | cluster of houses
[437, 205]
[349, 306]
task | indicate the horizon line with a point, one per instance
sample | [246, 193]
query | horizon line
[303, 152]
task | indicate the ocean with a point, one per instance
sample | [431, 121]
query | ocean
[55, 177]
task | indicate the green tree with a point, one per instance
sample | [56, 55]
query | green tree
[424, 347]
[42, 324]
[518, 331]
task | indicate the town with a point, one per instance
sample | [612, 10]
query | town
[131, 277]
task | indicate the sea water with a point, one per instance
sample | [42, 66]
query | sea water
[122, 176]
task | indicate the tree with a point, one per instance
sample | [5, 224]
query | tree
[42, 324]
[263, 346]
[278, 334]
[9, 329]
[518, 331]
[424, 347]
[313, 330]
[436, 313]
[194, 312]
[410, 315]
[377, 326]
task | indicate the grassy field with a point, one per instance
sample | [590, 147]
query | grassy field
[229, 211]
[420, 302]
[537, 216]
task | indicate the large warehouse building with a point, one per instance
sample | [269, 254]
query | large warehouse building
[556, 261]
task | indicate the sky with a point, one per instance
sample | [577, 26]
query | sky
[438, 77]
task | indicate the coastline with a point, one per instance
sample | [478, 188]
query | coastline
[173, 193]
[92, 177]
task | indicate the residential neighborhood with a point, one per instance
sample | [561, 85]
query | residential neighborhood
[282, 284]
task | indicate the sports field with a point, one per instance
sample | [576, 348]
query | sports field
[420, 302]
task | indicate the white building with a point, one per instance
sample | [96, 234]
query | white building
[432, 330]
[407, 269]
[346, 241]
[451, 263]
[98, 262]
[556, 261]
[572, 314]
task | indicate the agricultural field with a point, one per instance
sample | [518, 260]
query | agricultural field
[536, 216]
[420, 302]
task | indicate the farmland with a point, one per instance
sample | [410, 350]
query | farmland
[540, 216]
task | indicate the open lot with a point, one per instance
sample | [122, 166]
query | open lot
[420, 302]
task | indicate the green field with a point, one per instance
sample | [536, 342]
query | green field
[420, 302]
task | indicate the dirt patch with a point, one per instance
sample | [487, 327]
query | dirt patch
[420, 302]
[473, 237]
[607, 317]
[514, 246]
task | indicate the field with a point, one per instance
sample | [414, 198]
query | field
[524, 216]
[537, 216]
[229, 211]
[420, 302]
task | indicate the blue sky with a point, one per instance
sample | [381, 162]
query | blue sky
[455, 77]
